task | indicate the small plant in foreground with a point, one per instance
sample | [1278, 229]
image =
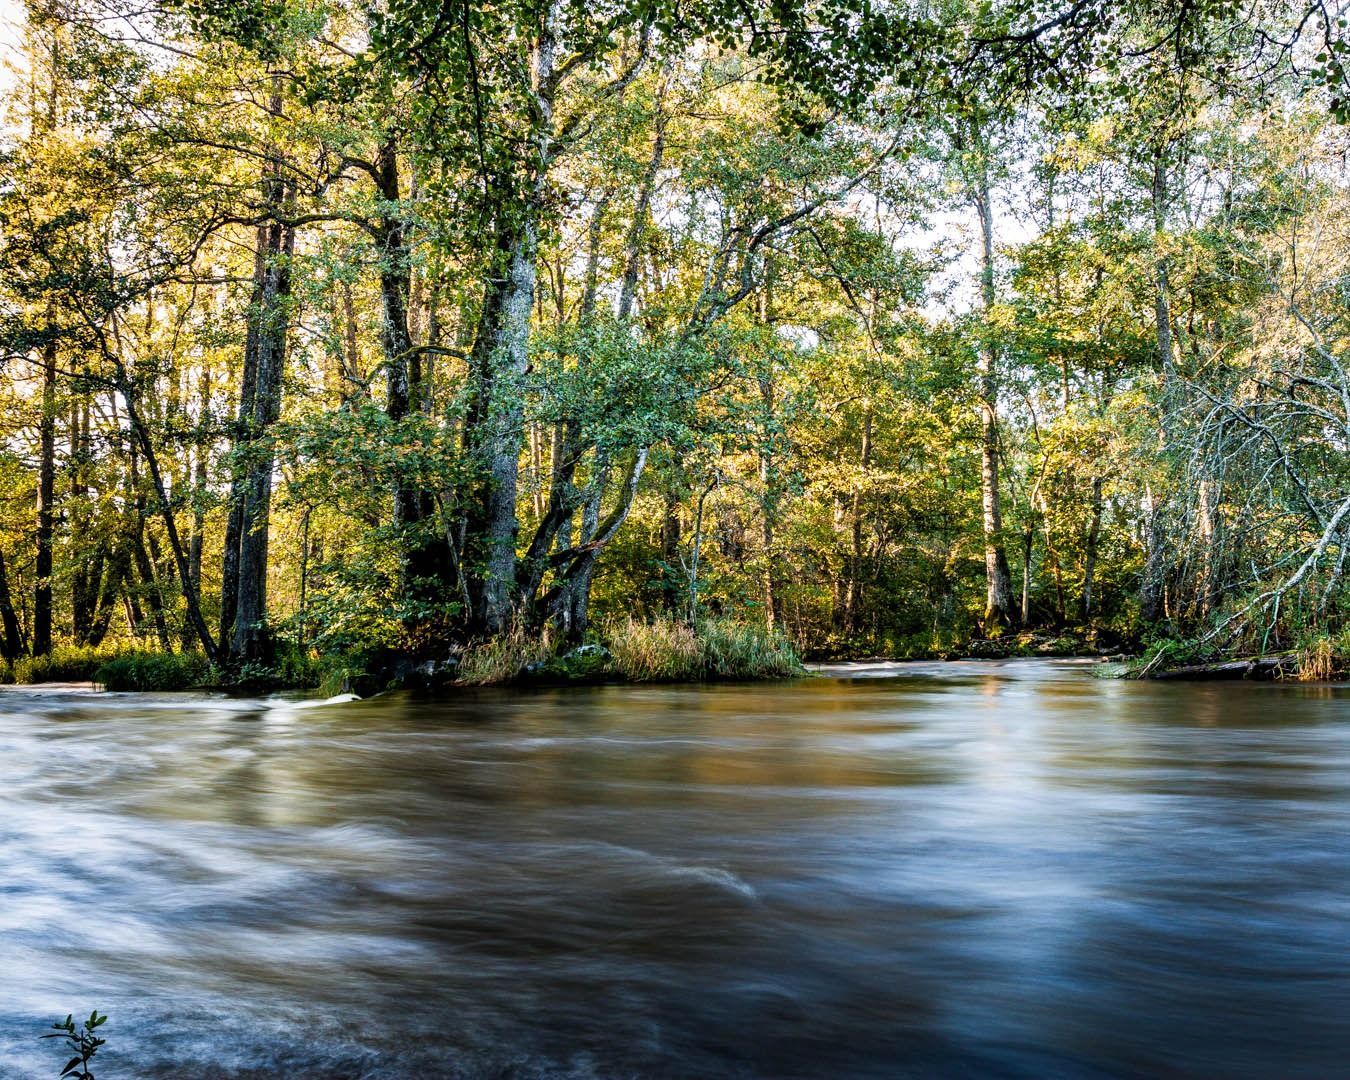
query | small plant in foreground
[82, 1041]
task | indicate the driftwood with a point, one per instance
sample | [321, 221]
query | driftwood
[1259, 668]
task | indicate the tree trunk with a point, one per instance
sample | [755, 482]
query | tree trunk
[11, 641]
[141, 435]
[853, 588]
[494, 431]
[1090, 554]
[149, 587]
[494, 426]
[46, 516]
[577, 590]
[998, 607]
[424, 562]
[85, 574]
[244, 570]
[671, 586]
[1153, 589]
[555, 526]
[119, 565]
[201, 451]
[768, 521]
[250, 640]
[569, 600]
[770, 488]
[1028, 546]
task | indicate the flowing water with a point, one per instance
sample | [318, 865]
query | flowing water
[921, 870]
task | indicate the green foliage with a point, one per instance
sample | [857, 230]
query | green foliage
[739, 651]
[728, 264]
[153, 671]
[656, 650]
[82, 1042]
[355, 671]
[1163, 653]
[65, 663]
[290, 668]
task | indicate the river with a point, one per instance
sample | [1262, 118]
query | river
[920, 870]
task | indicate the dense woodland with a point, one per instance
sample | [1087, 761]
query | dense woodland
[885, 326]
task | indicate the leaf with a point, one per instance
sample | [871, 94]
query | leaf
[71, 1065]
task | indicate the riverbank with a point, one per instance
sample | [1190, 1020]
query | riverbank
[624, 650]
[636, 651]
[1318, 657]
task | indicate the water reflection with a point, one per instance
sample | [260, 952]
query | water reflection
[984, 870]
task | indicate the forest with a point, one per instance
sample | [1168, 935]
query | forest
[342, 336]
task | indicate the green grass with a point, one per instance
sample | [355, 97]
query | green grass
[113, 668]
[65, 663]
[154, 671]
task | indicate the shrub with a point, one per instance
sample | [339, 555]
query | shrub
[1161, 654]
[65, 663]
[153, 671]
[296, 668]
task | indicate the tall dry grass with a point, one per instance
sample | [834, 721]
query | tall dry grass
[1324, 657]
[669, 650]
[504, 659]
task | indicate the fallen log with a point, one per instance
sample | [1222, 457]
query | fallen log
[1260, 668]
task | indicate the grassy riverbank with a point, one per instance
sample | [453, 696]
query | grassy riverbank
[637, 651]
[624, 650]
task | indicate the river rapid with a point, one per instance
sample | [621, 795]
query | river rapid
[1007, 870]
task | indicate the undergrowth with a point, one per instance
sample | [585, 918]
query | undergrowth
[154, 671]
[65, 663]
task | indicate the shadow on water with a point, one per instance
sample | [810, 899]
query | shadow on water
[932, 870]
